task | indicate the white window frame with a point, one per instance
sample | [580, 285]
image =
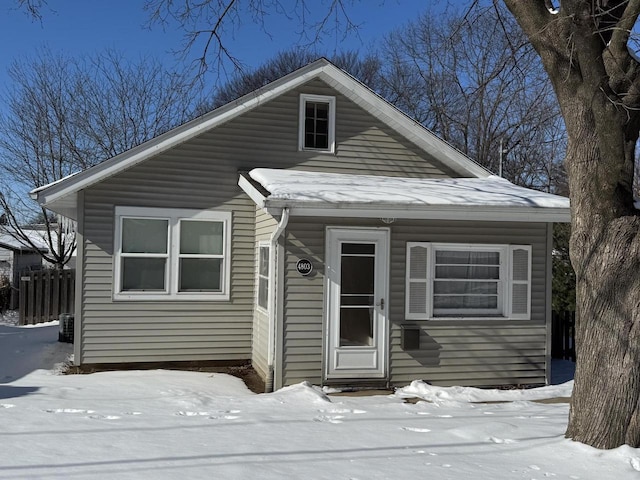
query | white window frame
[331, 102]
[259, 277]
[174, 216]
[505, 286]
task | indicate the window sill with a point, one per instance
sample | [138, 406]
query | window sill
[492, 318]
[317, 150]
[166, 297]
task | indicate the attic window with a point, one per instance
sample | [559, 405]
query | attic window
[317, 123]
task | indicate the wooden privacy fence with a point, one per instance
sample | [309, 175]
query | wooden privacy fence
[563, 335]
[45, 294]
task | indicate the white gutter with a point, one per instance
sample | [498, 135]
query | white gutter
[421, 212]
[273, 297]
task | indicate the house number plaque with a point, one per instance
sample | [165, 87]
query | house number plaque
[304, 267]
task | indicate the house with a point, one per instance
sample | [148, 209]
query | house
[315, 230]
[17, 257]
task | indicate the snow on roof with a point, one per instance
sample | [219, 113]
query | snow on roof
[12, 243]
[297, 188]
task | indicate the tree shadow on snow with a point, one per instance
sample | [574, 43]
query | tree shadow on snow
[9, 391]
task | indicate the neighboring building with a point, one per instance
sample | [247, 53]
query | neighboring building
[17, 257]
[315, 230]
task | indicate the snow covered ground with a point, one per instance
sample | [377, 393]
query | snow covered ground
[188, 425]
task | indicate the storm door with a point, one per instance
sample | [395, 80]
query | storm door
[357, 272]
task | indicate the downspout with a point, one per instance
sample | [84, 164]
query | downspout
[273, 297]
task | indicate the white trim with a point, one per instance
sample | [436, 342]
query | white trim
[119, 254]
[413, 212]
[264, 310]
[426, 284]
[548, 301]
[504, 284]
[250, 189]
[512, 282]
[78, 338]
[276, 304]
[331, 102]
[276, 316]
[379, 352]
[173, 216]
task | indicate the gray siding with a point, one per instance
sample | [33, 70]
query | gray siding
[202, 173]
[265, 225]
[131, 331]
[475, 352]
[482, 352]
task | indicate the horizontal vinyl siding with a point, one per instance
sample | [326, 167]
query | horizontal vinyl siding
[470, 352]
[202, 173]
[364, 145]
[265, 225]
[142, 331]
[304, 302]
[478, 352]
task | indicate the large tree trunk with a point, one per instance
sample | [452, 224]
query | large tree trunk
[605, 255]
[598, 106]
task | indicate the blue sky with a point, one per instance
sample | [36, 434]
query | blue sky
[77, 27]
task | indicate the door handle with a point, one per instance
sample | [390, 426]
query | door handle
[380, 304]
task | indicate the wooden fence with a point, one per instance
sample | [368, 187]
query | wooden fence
[45, 294]
[563, 335]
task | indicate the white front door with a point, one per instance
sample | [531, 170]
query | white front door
[357, 305]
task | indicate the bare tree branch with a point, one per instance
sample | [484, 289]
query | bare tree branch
[210, 25]
[65, 115]
[478, 83]
[33, 8]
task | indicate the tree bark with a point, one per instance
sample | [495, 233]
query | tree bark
[595, 81]
[604, 252]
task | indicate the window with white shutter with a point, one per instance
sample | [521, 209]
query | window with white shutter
[520, 260]
[417, 280]
[450, 280]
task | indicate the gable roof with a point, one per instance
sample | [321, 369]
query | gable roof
[61, 196]
[329, 194]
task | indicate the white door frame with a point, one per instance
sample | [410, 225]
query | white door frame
[356, 362]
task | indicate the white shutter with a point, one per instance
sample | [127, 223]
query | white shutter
[520, 282]
[417, 284]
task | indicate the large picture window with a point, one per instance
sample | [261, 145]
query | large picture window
[468, 281]
[171, 254]
[317, 123]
